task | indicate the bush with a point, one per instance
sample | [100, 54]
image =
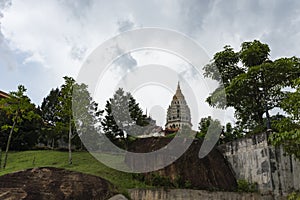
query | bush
[157, 180]
[154, 179]
[244, 186]
[294, 196]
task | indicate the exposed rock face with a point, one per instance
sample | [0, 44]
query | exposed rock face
[53, 184]
[211, 172]
[255, 160]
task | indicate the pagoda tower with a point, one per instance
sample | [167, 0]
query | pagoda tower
[178, 113]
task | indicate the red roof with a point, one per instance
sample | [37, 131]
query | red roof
[3, 94]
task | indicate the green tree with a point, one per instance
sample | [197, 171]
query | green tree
[288, 134]
[230, 133]
[19, 108]
[64, 109]
[207, 123]
[49, 110]
[28, 133]
[3, 133]
[116, 115]
[86, 117]
[123, 114]
[251, 82]
[78, 115]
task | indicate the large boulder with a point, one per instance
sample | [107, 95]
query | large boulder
[211, 172]
[52, 183]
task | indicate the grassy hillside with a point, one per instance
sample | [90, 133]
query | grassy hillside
[82, 162]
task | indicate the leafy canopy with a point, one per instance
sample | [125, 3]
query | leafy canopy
[252, 83]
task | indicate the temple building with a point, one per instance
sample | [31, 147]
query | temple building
[3, 95]
[178, 113]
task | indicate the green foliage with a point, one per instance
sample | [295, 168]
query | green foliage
[294, 196]
[62, 122]
[207, 123]
[227, 133]
[172, 135]
[288, 128]
[157, 180]
[230, 133]
[49, 110]
[18, 107]
[78, 115]
[244, 186]
[290, 140]
[291, 103]
[86, 117]
[180, 182]
[188, 184]
[123, 114]
[21, 114]
[65, 112]
[254, 53]
[224, 66]
[200, 135]
[253, 84]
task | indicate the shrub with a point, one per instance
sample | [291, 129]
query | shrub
[294, 196]
[244, 186]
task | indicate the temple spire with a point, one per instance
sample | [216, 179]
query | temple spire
[178, 93]
[178, 113]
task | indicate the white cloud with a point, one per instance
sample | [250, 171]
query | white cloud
[53, 38]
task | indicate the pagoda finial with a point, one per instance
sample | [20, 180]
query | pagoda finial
[178, 91]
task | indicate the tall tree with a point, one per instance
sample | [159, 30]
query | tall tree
[123, 114]
[86, 117]
[65, 111]
[19, 108]
[251, 82]
[230, 133]
[117, 115]
[207, 123]
[78, 114]
[49, 110]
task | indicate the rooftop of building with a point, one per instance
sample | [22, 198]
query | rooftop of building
[3, 94]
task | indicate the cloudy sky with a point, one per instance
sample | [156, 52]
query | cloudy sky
[42, 41]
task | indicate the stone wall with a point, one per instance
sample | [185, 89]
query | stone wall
[184, 194]
[255, 160]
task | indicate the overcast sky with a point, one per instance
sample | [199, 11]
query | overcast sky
[42, 41]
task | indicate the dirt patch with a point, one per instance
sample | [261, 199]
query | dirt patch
[53, 184]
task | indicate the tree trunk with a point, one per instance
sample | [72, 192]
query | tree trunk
[52, 143]
[70, 139]
[0, 157]
[8, 144]
[268, 119]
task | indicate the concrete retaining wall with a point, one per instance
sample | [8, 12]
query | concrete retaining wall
[184, 194]
[255, 160]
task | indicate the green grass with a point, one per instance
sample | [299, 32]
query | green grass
[82, 162]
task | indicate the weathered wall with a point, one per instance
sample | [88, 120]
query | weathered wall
[184, 194]
[255, 160]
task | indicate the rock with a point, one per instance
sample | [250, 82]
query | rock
[211, 172]
[118, 197]
[52, 183]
